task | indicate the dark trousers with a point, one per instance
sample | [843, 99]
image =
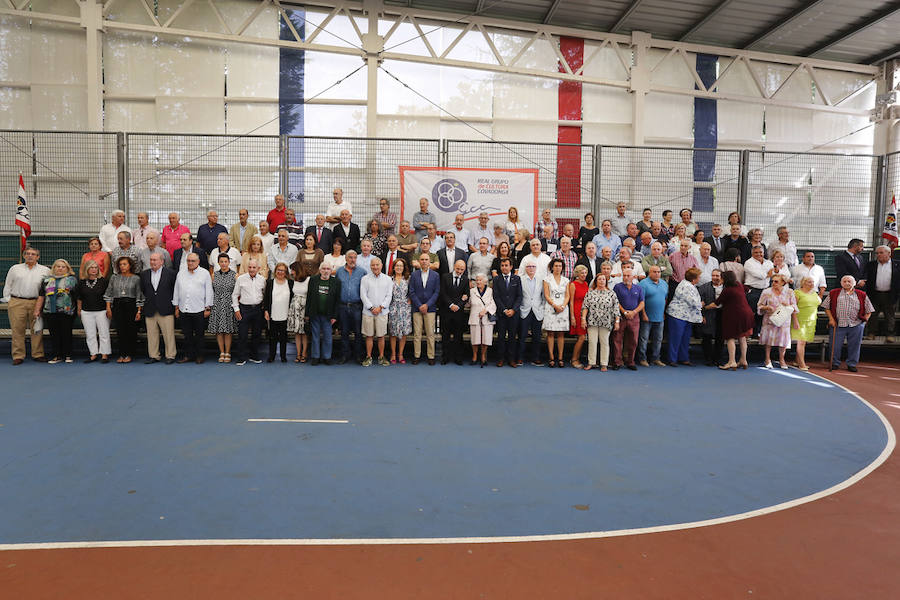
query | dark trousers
[60, 325]
[251, 318]
[507, 328]
[277, 335]
[753, 295]
[530, 324]
[193, 327]
[881, 302]
[713, 343]
[123, 312]
[453, 324]
[625, 340]
[350, 322]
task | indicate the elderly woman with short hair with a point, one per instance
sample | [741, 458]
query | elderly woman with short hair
[808, 302]
[578, 289]
[56, 301]
[375, 235]
[95, 253]
[92, 310]
[599, 315]
[772, 334]
[481, 326]
[684, 309]
[124, 300]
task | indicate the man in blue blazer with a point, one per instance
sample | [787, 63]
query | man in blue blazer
[424, 288]
[508, 298]
[158, 286]
[179, 257]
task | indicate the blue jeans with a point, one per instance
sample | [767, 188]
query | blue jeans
[679, 340]
[854, 336]
[533, 325]
[320, 328]
[652, 332]
[350, 321]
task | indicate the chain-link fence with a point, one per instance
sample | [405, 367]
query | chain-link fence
[705, 181]
[192, 174]
[824, 199]
[365, 169]
[892, 176]
[565, 172]
[70, 178]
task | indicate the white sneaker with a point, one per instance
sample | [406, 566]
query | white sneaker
[255, 361]
[53, 361]
[241, 363]
[69, 360]
[768, 365]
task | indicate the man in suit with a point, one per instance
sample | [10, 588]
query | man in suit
[158, 287]
[717, 243]
[424, 288]
[449, 254]
[348, 232]
[851, 263]
[243, 231]
[453, 296]
[393, 253]
[591, 261]
[179, 258]
[736, 240]
[323, 235]
[508, 298]
[883, 288]
[531, 311]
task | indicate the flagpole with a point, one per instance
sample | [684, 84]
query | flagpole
[21, 230]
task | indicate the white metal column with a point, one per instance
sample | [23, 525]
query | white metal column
[640, 84]
[91, 19]
[373, 44]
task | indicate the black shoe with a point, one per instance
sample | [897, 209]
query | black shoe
[182, 360]
[94, 358]
[444, 361]
[341, 360]
[614, 367]
[458, 361]
[415, 361]
[474, 363]
[149, 361]
[671, 364]
[284, 359]
[314, 361]
[631, 368]
[431, 362]
[326, 361]
[170, 361]
[852, 369]
[106, 360]
[270, 359]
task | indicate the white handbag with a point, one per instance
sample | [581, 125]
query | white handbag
[781, 316]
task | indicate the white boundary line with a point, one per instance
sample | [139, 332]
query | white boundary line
[297, 421]
[888, 448]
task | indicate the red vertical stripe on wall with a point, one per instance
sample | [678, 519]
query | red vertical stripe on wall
[568, 159]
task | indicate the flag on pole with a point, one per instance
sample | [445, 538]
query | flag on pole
[22, 219]
[889, 233]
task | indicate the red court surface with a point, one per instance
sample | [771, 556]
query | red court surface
[842, 546]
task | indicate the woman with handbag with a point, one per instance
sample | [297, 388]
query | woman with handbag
[778, 306]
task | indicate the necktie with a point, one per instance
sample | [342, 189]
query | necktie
[456, 281]
[507, 281]
[319, 235]
[391, 263]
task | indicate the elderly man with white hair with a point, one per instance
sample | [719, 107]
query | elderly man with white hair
[376, 291]
[151, 247]
[170, 236]
[883, 288]
[109, 232]
[706, 263]
[140, 233]
[848, 309]
[208, 233]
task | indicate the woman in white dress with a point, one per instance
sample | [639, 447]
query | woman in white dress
[481, 327]
[556, 310]
[336, 259]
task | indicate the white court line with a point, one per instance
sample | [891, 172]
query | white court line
[882, 368]
[888, 448]
[891, 378]
[297, 421]
[896, 395]
[849, 374]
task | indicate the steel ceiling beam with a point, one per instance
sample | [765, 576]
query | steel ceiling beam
[856, 29]
[625, 15]
[709, 17]
[551, 11]
[879, 58]
[781, 23]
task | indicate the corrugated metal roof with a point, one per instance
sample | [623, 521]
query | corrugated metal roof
[859, 31]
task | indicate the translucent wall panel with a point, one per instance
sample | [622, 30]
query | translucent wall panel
[322, 70]
[607, 111]
[325, 119]
[522, 131]
[398, 126]
[521, 97]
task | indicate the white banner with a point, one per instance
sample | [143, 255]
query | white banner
[469, 192]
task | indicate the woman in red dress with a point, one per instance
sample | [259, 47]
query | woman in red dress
[578, 289]
[737, 319]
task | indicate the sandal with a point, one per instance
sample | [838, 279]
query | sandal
[221, 357]
[121, 359]
[551, 363]
[587, 367]
[393, 361]
[603, 369]
[227, 358]
[402, 361]
[577, 364]
[296, 360]
[127, 359]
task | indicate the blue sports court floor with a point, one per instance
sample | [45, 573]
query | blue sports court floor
[135, 452]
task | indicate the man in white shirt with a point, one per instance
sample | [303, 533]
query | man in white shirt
[193, 299]
[365, 257]
[437, 243]
[140, 234]
[283, 252]
[463, 236]
[109, 232]
[620, 221]
[266, 236]
[481, 231]
[637, 269]
[809, 268]
[707, 263]
[21, 290]
[531, 310]
[756, 277]
[333, 214]
[246, 300]
[538, 258]
[151, 246]
[883, 289]
[787, 247]
[223, 246]
[375, 291]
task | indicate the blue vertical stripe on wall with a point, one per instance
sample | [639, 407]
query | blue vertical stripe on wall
[706, 135]
[291, 81]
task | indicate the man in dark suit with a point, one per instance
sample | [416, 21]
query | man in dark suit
[179, 258]
[591, 260]
[323, 235]
[348, 233]
[736, 240]
[508, 298]
[851, 263]
[883, 288]
[717, 243]
[449, 254]
[158, 287]
[453, 296]
[424, 289]
[393, 253]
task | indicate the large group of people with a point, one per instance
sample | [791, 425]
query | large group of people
[615, 286]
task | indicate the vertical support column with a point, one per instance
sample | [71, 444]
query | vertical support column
[598, 194]
[373, 44]
[880, 200]
[91, 17]
[640, 84]
[744, 188]
[122, 171]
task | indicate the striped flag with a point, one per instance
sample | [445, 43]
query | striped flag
[889, 233]
[22, 219]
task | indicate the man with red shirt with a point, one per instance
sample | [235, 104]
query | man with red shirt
[276, 215]
[171, 234]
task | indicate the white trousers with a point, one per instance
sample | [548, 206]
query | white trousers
[96, 325]
[598, 334]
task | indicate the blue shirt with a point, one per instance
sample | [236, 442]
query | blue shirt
[614, 242]
[207, 236]
[350, 284]
[655, 298]
[629, 299]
